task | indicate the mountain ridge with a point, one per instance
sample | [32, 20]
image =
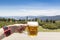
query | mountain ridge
[57, 17]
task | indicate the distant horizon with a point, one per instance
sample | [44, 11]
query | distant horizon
[27, 15]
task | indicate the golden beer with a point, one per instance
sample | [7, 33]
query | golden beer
[32, 28]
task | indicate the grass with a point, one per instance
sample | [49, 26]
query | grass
[40, 29]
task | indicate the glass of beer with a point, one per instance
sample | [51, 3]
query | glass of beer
[32, 28]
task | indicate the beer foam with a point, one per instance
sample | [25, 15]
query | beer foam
[32, 23]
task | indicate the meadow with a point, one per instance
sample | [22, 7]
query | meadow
[44, 26]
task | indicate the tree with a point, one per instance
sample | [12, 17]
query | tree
[27, 18]
[36, 19]
[13, 20]
[9, 19]
[53, 21]
[19, 19]
[41, 20]
[3, 19]
[47, 20]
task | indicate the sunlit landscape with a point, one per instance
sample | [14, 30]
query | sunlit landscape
[29, 19]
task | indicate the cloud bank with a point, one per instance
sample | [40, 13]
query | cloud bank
[29, 12]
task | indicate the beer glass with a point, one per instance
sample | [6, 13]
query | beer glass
[32, 28]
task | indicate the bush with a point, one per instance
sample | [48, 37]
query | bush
[50, 26]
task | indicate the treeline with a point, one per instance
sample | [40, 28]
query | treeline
[49, 24]
[52, 21]
[8, 19]
[46, 24]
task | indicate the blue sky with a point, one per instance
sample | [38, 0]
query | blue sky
[29, 7]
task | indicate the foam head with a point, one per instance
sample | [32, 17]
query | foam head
[32, 23]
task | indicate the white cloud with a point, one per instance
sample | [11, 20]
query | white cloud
[26, 12]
